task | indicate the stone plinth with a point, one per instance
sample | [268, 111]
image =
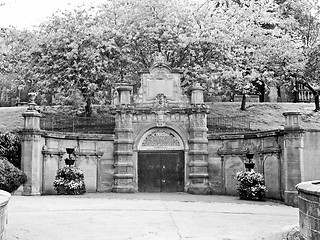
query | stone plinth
[4, 199]
[309, 214]
[293, 120]
[196, 94]
[124, 94]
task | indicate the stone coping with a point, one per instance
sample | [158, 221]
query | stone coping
[291, 113]
[310, 187]
[4, 198]
[248, 134]
[80, 136]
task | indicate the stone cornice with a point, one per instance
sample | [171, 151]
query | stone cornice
[245, 135]
[198, 108]
[78, 136]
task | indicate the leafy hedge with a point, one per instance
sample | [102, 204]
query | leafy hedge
[11, 177]
[10, 148]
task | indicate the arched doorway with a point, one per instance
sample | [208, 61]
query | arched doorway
[161, 163]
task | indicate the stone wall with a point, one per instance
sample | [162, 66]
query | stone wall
[4, 199]
[311, 151]
[309, 214]
[211, 161]
[94, 155]
[227, 156]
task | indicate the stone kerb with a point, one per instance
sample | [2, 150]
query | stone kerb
[309, 209]
[4, 199]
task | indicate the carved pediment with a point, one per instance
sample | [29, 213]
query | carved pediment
[160, 80]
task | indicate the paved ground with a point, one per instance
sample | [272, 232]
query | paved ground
[177, 216]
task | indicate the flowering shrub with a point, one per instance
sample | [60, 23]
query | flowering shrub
[10, 148]
[70, 179]
[251, 185]
[11, 177]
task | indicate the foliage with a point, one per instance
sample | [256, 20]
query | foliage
[16, 71]
[71, 179]
[306, 27]
[11, 178]
[10, 148]
[311, 77]
[251, 185]
[227, 46]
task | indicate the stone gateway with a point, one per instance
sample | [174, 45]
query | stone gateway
[161, 136]
[161, 144]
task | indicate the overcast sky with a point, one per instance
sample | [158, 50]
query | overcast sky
[26, 13]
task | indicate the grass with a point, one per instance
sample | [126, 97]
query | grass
[269, 116]
[263, 116]
[11, 118]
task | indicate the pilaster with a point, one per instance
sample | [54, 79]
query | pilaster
[123, 143]
[198, 144]
[31, 157]
[293, 156]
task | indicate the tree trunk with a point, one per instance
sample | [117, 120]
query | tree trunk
[243, 102]
[316, 101]
[88, 107]
[315, 93]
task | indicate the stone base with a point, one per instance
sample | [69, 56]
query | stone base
[30, 194]
[28, 191]
[200, 189]
[124, 189]
[291, 198]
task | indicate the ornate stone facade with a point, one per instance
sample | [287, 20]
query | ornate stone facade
[161, 128]
[161, 118]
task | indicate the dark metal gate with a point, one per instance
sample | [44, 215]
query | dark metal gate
[161, 171]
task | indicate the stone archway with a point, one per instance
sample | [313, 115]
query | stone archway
[161, 163]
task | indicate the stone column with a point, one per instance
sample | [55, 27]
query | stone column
[123, 143]
[31, 157]
[292, 156]
[198, 144]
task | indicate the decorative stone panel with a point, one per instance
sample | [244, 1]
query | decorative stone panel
[161, 139]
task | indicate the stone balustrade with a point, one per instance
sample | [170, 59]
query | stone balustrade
[309, 206]
[4, 199]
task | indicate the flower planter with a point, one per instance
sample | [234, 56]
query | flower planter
[61, 190]
[251, 185]
[69, 161]
[69, 180]
[249, 165]
[253, 198]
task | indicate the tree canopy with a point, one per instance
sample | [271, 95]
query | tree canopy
[228, 46]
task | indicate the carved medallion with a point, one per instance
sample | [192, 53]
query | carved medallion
[160, 102]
